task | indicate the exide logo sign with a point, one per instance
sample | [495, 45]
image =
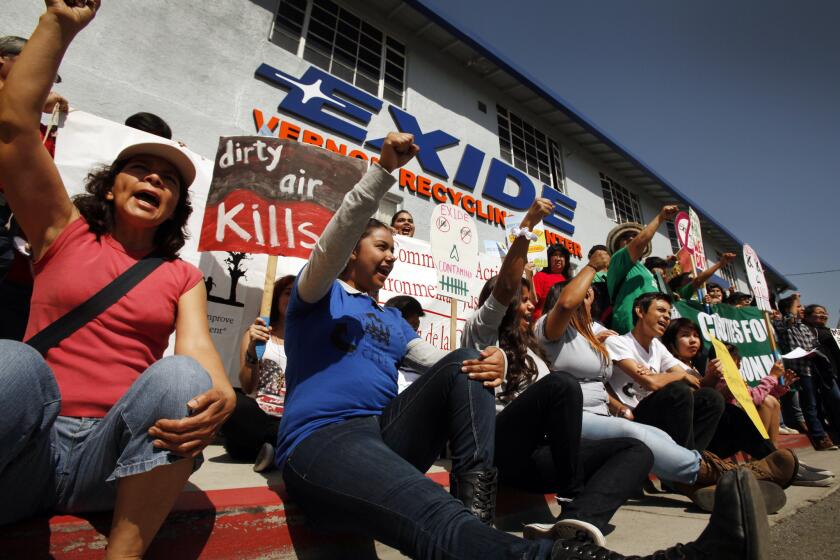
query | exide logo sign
[315, 91]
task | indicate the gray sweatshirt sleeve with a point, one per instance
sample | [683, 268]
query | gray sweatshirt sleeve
[421, 355]
[333, 249]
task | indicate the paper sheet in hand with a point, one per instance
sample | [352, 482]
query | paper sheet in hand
[797, 353]
[737, 386]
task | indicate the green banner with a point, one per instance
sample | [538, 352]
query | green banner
[742, 326]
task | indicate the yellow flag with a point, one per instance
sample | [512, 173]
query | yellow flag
[737, 386]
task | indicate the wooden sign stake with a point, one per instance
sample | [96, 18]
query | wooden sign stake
[453, 325]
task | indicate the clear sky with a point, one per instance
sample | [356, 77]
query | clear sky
[735, 103]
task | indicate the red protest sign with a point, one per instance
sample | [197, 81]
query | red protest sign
[273, 196]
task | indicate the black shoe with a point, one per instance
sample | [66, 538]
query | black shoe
[737, 530]
[477, 491]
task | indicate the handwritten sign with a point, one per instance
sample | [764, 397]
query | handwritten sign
[755, 277]
[682, 223]
[696, 235]
[273, 196]
[737, 386]
[454, 241]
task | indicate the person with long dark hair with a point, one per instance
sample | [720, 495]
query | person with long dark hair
[102, 421]
[538, 428]
[251, 431]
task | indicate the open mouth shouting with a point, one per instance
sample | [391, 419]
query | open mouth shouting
[147, 199]
[384, 270]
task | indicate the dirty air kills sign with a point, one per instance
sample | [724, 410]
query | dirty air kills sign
[273, 196]
[742, 326]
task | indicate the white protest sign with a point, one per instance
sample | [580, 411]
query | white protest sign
[696, 236]
[755, 277]
[454, 240]
[415, 274]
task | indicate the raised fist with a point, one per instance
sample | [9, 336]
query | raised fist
[397, 150]
[668, 212]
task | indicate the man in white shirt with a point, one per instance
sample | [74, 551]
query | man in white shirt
[654, 385]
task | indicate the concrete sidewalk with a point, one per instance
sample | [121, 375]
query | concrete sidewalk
[641, 526]
[228, 511]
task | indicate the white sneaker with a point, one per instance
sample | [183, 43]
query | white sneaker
[817, 470]
[566, 530]
[788, 431]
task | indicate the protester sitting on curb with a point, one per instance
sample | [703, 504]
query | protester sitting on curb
[538, 433]
[627, 278]
[251, 431]
[793, 333]
[655, 385]
[571, 343]
[103, 422]
[151, 123]
[402, 223]
[556, 271]
[735, 431]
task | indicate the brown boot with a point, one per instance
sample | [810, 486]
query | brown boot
[769, 470]
[712, 468]
[780, 467]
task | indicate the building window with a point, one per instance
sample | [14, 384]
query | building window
[621, 205]
[530, 150]
[672, 237]
[341, 43]
[727, 272]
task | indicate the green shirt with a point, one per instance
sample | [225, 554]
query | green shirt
[600, 276]
[627, 280]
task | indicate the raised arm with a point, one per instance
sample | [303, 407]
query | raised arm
[333, 249]
[31, 181]
[636, 247]
[704, 276]
[513, 265]
[573, 295]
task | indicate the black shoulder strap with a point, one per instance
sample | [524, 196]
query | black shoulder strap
[78, 317]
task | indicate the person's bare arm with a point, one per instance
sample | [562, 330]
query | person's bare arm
[636, 247]
[333, 248]
[651, 381]
[31, 181]
[209, 410]
[249, 369]
[573, 295]
[704, 276]
[513, 265]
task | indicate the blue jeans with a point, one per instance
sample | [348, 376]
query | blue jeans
[829, 393]
[51, 462]
[671, 462]
[366, 475]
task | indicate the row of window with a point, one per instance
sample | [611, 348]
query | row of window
[341, 43]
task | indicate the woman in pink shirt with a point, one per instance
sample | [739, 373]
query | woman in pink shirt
[102, 421]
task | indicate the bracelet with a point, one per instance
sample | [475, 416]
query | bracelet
[590, 266]
[525, 232]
